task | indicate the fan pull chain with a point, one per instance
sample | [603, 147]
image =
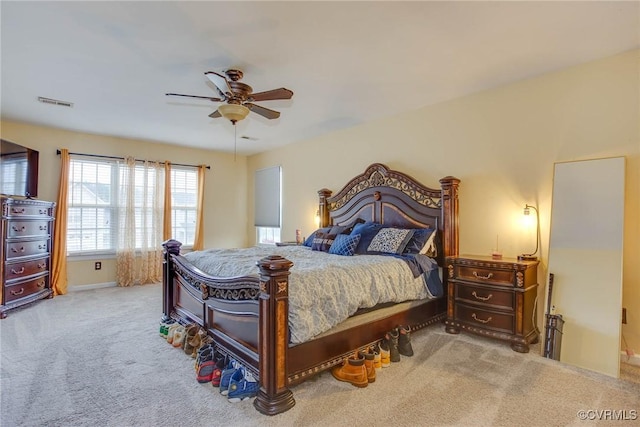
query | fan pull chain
[235, 141]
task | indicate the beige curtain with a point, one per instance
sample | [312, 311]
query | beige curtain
[59, 279]
[140, 225]
[166, 228]
[198, 241]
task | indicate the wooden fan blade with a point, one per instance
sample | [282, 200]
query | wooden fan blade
[264, 112]
[215, 114]
[270, 95]
[221, 83]
[196, 96]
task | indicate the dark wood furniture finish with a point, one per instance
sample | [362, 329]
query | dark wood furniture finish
[495, 298]
[248, 316]
[27, 229]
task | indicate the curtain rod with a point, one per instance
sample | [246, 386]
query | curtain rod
[122, 158]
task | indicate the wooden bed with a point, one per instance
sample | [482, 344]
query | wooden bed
[248, 316]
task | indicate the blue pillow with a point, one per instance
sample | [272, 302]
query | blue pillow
[322, 241]
[367, 232]
[309, 241]
[344, 244]
[417, 242]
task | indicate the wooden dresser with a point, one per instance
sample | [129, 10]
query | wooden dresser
[495, 298]
[27, 231]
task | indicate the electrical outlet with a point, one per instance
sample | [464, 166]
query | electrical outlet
[98, 265]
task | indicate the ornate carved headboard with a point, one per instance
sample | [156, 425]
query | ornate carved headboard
[396, 199]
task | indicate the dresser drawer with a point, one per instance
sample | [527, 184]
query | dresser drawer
[486, 275]
[20, 210]
[24, 289]
[17, 270]
[27, 228]
[489, 297]
[485, 319]
[27, 248]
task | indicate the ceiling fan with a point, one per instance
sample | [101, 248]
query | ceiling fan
[239, 97]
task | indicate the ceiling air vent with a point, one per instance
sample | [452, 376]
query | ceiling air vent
[55, 102]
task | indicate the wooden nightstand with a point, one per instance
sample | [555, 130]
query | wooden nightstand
[495, 298]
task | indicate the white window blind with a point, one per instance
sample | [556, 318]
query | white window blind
[267, 197]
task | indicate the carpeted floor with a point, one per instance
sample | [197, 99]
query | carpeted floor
[94, 358]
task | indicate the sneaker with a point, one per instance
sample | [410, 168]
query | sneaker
[164, 327]
[178, 337]
[204, 372]
[189, 332]
[404, 341]
[242, 386]
[205, 353]
[225, 377]
[392, 338]
[216, 377]
[172, 330]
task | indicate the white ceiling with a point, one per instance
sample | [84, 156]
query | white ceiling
[347, 62]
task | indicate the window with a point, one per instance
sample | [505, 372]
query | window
[91, 221]
[94, 191]
[268, 204]
[14, 172]
[184, 201]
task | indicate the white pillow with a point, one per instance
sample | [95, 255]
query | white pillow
[429, 249]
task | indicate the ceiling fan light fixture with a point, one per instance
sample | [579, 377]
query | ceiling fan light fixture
[233, 112]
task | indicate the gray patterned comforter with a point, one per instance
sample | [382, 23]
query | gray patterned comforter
[325, 289]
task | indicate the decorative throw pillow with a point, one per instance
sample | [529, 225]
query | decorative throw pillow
[367, 231]
[390, 240]
[309, 240]
[344, 244]
[418, 240]
[322, 241]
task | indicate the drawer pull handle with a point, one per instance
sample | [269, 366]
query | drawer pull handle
[18, 272]
[43, 227]
[16, 293]
[42, 211]
[487, 277]
[18, 229]
[42, 246]
[42, 265]
[16, 210]
[487, 298]
[473, 315]
[41, 284]
[15, 251]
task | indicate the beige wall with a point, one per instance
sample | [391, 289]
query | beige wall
[225, 186]
[502, 144]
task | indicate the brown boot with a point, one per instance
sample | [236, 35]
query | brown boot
[369, 365]
[352, 371]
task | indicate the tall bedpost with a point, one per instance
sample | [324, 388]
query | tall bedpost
[171, 247]
[273, 337]
[449, 186]
[323, 208]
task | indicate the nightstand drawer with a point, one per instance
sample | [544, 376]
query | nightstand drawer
[487, 275]
[488, 297]
[485, 319]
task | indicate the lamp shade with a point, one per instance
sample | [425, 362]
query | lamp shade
[233, 112]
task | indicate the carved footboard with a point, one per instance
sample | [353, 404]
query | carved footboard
[246, 316]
